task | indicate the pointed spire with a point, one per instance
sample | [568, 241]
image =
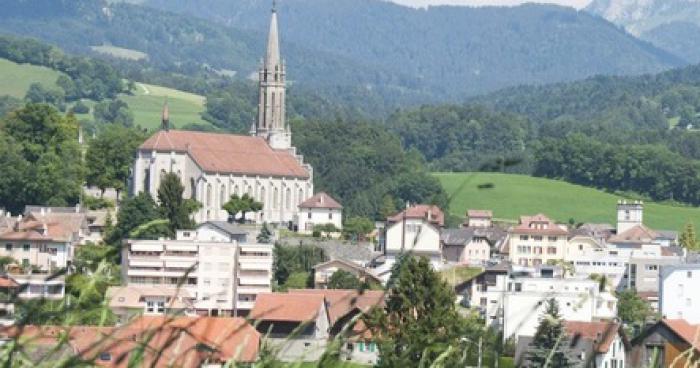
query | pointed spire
[272, 57]
[165, 117]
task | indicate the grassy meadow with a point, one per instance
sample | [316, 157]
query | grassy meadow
[510, 196]
[15, 79]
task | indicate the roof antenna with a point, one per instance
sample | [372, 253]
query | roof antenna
[165, 117]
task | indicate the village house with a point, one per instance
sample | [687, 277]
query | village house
[537, 240]
[580, 299]
[416, 230]
[344, 306]
[167, 341]
[669, 342]
[321, 209]
[678, 292]
[129, 302]
[297, 325]
[486, 292]
[212, 263]
[592, 345]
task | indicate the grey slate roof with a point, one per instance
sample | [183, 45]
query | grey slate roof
[227, 227]
[462, 236]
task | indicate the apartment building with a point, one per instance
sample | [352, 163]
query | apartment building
[537, 240]
[580, 299]
[678, 296]
[214, 263]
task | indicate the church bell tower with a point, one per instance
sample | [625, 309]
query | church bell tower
[271, 123]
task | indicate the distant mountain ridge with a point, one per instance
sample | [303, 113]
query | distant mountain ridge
[673, 25]
[371, 52]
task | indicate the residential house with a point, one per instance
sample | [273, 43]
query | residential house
[479, 218]
[593, 345]
[344, 306]
[321, 209]
[667, 343]
[415, 230]
[156, 341]
[486, 292]
[223, 274]
[580, 299]
[323, 272]
[40, 285]
[678, 292]
[537, 240]
[297, 325]
[129, 302]
[471, 245]
[8, 289]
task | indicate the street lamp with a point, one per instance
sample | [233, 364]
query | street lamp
[478, 345]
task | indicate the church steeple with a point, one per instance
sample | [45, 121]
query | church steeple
[271, 122]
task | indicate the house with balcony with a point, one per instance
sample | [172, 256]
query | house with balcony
[223, 275]
[537, 240]
[129, 302]
[580, 299]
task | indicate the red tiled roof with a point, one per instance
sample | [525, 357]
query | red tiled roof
[537, 225]
[429, 212]
[636, 234]
[602, 332]
[177, 340]
[686, 331]
[321, 200]
[342, 301]
[227, 153]
[286, 307]
[479, 213]
[7, 282]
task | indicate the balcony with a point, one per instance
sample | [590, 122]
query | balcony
[253, 281]
[145, 272]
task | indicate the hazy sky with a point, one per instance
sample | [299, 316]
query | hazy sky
[422, 3]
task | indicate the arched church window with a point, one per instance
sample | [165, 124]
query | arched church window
[301, 195]
[209, 195]
[250, 190]
[193, 189]
[288, 199]
[235, 190]
[222, 196]
[262, 195]
[275, 198]
[272, 110]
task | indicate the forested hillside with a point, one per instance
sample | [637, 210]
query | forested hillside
[371, 55]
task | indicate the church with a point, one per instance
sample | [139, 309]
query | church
[213, 167]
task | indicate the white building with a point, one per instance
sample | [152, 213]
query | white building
[537, 240]
[678, 292]
[321, 209]
[479, 218]
[579, 300]
[486, 292]
[415, 230]
[214, 264]
[213, 167]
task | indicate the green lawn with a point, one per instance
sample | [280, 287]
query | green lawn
[15, 79]
[459, 274]
[147, 104]
[515, 195]
[120, 52]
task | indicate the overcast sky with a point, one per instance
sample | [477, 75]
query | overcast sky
[422, 3]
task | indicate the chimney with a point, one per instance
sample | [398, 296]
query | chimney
[77, 208]
[42, 211]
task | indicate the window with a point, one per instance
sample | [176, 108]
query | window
[551, 250]
[651, 267]
[222, 196]
[330, 216]
[537, 238]
[552, 238]
[209, 195]
[309, 216]
[105, 357]
[8, 247]
[275, 198]
[207, 282]
[361, 346]
[580, 247]
[524, 237]
[690, 274]
[25, 262]
[25, 247]
[288, 198]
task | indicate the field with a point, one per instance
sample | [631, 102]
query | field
[147, 104]
[510, 196]
[146, 101]
[120, 52]
[15, 79]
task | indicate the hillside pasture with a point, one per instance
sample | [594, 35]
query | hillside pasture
[510, 196]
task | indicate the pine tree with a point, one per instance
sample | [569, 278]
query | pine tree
[550, 346]
[687, 238]
[265, 235]
[420, 325]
